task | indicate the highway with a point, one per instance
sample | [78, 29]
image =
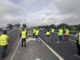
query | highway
[40, 50]
[67, 49]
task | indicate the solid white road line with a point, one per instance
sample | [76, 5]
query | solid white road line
[15, 50]
[53, 51]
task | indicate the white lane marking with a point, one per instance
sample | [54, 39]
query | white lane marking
[53, 51]
[38, 59]
[18, 46]
[15, 51]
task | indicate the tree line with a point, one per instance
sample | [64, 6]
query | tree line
[63, 25]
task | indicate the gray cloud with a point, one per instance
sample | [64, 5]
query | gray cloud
[42, 12]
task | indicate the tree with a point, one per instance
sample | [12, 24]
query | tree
[52, 26]
[78, 27]
[63, 26]
[24, 26]
[10, 26]
[17, 25]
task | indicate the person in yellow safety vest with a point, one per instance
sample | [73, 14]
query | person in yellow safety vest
[66, 36]
[60, 33]
[37, 35]
[33, 33]
[77, 41]
[23, 36]
[4, 42]
[52, 30]
[47, 34]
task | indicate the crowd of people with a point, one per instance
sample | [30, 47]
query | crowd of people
[4, 40]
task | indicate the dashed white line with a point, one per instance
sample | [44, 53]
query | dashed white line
[38, 59]
[53, 51]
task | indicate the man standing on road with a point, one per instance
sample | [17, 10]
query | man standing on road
[77, 41]
[52, 31]
[37, 34]
[4, 42]
[23, 36]
[66, 36]
[34, 32]
[60, 33]
[47, 34]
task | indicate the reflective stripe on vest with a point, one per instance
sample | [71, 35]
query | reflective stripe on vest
[3, 40]
[48, 33]
[23, 34]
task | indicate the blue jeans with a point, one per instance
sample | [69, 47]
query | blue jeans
[3, 52]
[36, 36]
[60, 38]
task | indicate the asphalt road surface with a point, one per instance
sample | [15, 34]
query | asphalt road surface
[13, 38]
[67, 49]
[33, 51]
[39, 50]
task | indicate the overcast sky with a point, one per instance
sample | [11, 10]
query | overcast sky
[39, 12]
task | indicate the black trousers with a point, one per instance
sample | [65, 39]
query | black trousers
[78, 47]
[23, 42]
[33, 35]
[3, 52]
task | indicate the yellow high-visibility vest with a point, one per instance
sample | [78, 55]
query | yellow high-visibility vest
[34, 30]
[3, 40]
[23, 34]
[37, 32]
[48, 33]
[52, 30]
[78, 38]
[60, 33]
[25, 31]
[67, 32]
